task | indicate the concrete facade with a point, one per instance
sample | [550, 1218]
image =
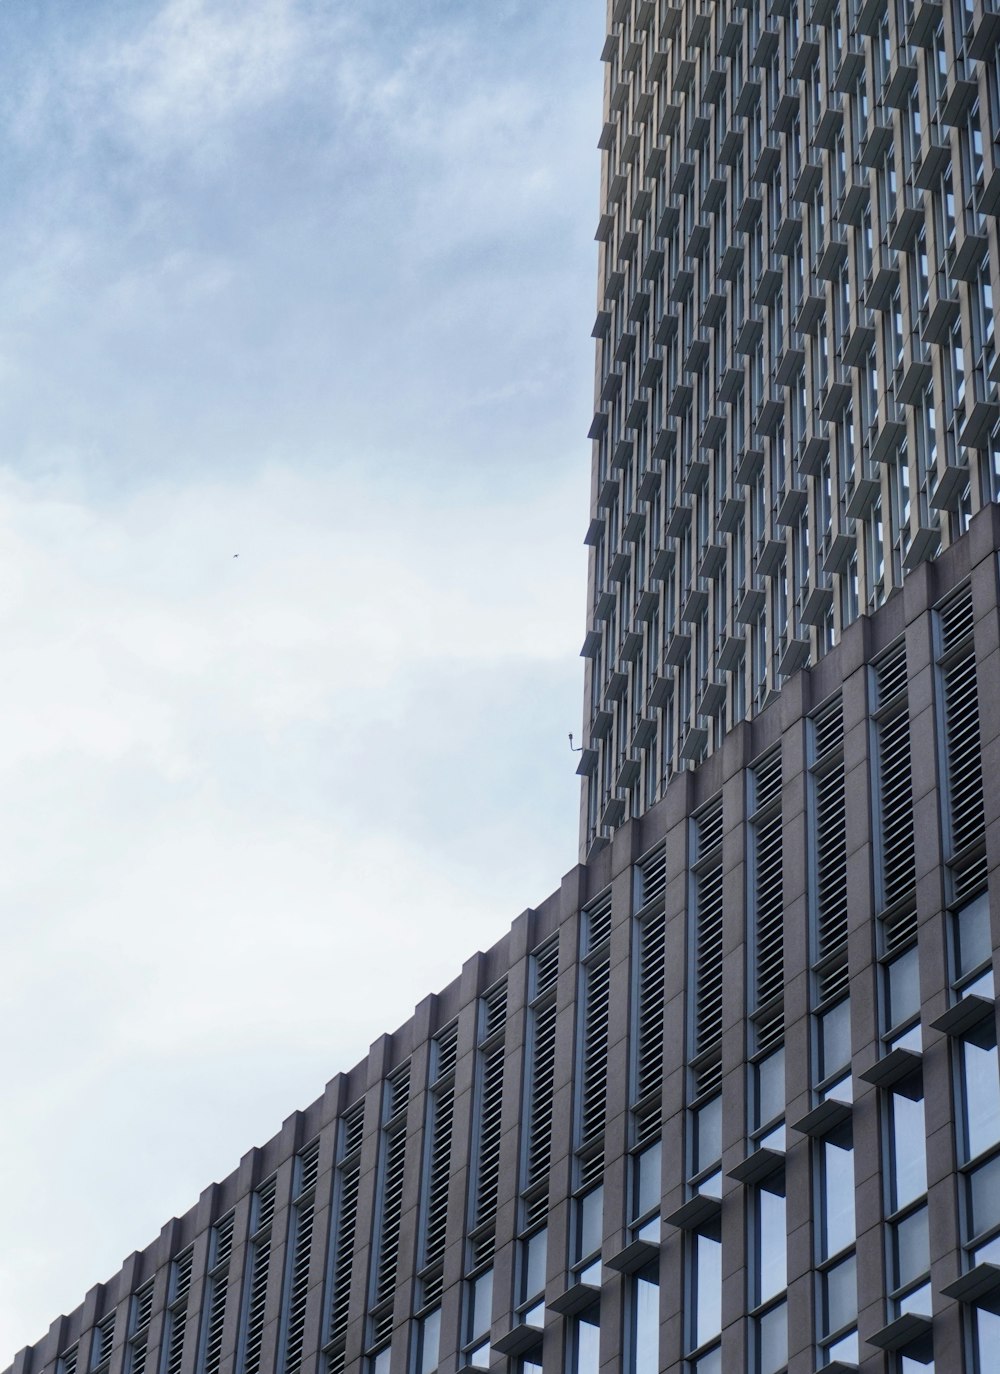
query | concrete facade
[615, 1022]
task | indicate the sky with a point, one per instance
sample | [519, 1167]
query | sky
[295, 379]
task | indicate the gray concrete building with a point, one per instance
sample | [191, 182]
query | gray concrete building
[728, 1101]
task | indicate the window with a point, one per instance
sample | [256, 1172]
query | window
[478, 1319]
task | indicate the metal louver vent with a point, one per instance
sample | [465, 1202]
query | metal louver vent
[300, 1249]
[708, 915]
[223, 1243]
[182, 1275]
[597, 988]
[895, 806]
[176, 1325]
[308, 1168]
[218, 1290]
[649, 1028]
[104, 1339]
[956, 619]
[260, 1263]
[536, 1209]
[439, 1174]
[136, 1361]
[446, 1051]
[494, 1009]
[142, 1307]
[347, 1217]
[353, 1128]
[540, 1101]
[900, 930]
[597, 920]
[394, 1161]
[651, 878]
[828, 728]
[546, 962]
[491, 1068]
[68, 1360]
[768, 890]
[397, 1092]
[890, 674]
[963, 758]
[382, 1326]
[482, 1248]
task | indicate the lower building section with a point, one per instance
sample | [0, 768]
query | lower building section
[729, 1100]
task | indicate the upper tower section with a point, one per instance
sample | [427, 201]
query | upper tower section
[796, 373]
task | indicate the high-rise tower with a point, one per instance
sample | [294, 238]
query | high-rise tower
[727, 1102]
[795, 394]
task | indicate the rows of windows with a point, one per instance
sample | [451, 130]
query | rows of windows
[797, 368]
[464, 1209]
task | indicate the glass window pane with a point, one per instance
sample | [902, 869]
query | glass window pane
[912, 1248]
[591, 1212]
[646, 1327]
[909, 1157]
[588, 1347]
[534, 1265]
[835, 1039]
[841, 1294]
[772, 1269]
[902, 988]
[838, 1198]
[845, 1349]
[982, 1096]
[973, 943]
[481, 1314]
[480, 1357]
[430, 1341]
[987, 1334]
[772, 1339]
[647, 1180]
[708, 1288]
[710, 1363]
[770, 1087]
[380, 1362]
[708, 1134]
[984, 1196]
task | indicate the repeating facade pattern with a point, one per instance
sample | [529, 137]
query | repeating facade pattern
[728, 1100]
[796, 378]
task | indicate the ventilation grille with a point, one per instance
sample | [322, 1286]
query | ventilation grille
[651, 878]
[831, 861]
[298, 1283]
[223, 1245]
[482, 1248]
[182, 1275]
[890, 674]
[597, 988]
[546, 966]
[397, 1092]
[216, 1324]
[142, 1307]
[68, 1360]
[354, 1128]
[260, 1262]
[962, 750]
[895, 808]
[136, 1363]
[768, 897]
[308, 1167]
[104, 1339]
[392, 1211]
[597, 922]
[708, 827]
[828, 728]
[536, 1209]
[382, 1326]
[439, 1174]
[899, 930]
[767, 780]
[300, 1249]
[177, 1325]
[350, 1180]
[649, 1038]
[494, 1009]
[446, 1051]
[540, 1106]
[956, 620]
[708, 957]
[490, 1108]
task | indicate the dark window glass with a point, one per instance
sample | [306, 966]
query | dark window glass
[840, 1294]
[982, 1096]
[984, 1196]
[835, 1039]
[973, 942]
[772, 1340]
[911, 1248]
[838, 1197]
[708, 1288]
[909, 1158]
[903, 988]
[708, 1134]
